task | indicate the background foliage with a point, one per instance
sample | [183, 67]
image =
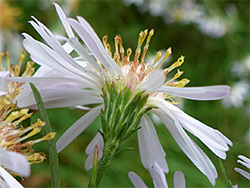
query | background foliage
[209, 60]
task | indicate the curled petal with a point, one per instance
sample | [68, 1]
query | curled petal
[193, 152]
[212, 138]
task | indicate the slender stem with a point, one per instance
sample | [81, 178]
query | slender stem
[228, 182]
[109, 151]
[53, 156]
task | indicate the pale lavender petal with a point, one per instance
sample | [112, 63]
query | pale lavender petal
[243, 173]
[15, 162]
[245, 161]
[3, 81]
[91, 149]
[94, 44]
[136, 180]
[58, 97]
[149, 145]
[64, 20]
[155, 80]
[62, 55]
[11, 182]
[158, 176]
[81, 51]
[77, 128]
[198, 93]
[3, 93]
[193, 152]
[179, 180]
[213, 139]
[43, 55]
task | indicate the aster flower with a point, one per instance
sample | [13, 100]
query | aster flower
[246, 162]
[123, 89]
[159, 178]
[16, 150]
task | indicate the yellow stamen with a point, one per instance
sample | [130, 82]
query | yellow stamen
[177, 75]
[167, 54]
[145, 49]
[129, 52]
[7, 59]
[173, 66]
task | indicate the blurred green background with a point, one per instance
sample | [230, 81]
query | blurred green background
[214, 38]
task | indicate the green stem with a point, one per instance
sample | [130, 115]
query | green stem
[109, 151]
[53, 156]
[228, 182]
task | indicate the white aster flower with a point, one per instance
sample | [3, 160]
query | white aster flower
[246, 162]
[97, 76]
[159, 178]
[16, 152]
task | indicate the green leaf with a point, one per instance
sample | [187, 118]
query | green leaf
[53, 156]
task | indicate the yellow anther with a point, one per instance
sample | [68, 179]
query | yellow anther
[16, 114]
[121, 47]
[116, 54]
[7, 59]
[48, 136]
[167, 54]
[1, 59]
[157, 57]
[34, 131]
[182, 82]
[106, 44]
[151, 33]
[176, 64]
[129, 52]
[142, 36]
[177, 75]
[105, 40]
[36, 158]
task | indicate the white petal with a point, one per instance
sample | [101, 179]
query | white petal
[155, 80]
[77, 128]
[245, 161]
[198, 93]
[63, 56]
[94, 44]
[243, 173]
[58, 97]
[64, 20]
[179, 180]
[3, 81]
[136, 180]
[81, 51]
[193, 152]
[212, 138]
[3, 93]
[15, 162]
[91, 149]
[68, 48]
[43, 55]
[11, 182]
[149, 145]
[159, 178]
